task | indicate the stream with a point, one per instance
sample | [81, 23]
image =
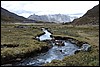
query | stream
[55, 53]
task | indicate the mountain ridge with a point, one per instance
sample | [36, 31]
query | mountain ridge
[90, 17]
[57, 18]
[7, 16]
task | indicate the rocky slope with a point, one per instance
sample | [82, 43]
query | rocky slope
[58, 18]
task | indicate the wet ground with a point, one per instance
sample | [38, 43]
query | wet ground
[55, 53]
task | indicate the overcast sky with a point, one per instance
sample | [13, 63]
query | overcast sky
[27, 8]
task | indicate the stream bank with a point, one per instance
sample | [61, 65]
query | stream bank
[57, 48]
[60, 47]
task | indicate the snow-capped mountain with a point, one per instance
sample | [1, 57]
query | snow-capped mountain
[58, 18]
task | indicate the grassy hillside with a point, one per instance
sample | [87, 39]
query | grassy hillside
[11, 34]
[10, 17]
[91, 17]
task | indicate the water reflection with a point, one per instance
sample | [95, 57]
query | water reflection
[45, 36]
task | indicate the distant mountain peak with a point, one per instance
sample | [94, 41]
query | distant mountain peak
[57, 18]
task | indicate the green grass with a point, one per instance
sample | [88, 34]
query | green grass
[23, 37]
[85, 33]
[10, 35]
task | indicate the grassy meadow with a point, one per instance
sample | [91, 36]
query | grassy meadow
[24, 39]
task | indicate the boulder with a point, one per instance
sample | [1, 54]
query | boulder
[85, 47]
[59, 43]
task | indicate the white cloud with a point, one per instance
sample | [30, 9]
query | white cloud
[48, 7]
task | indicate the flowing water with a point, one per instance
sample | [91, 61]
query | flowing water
[45, 36]
[56, 52]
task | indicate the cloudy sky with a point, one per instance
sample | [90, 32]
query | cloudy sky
[27, 8]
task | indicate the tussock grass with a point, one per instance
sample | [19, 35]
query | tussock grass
[24, 38]
[85, 33]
